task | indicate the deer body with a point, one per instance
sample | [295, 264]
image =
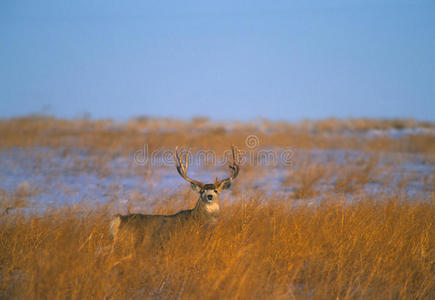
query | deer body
[141, 224]
[151, 227]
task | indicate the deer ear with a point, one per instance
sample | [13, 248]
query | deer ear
[224, 185]
[195, 187]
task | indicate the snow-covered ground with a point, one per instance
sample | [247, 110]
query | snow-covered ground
[47, 177]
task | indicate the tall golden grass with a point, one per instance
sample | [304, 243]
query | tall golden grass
[368, 249]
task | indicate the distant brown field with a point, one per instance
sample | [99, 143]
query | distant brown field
[123, 138]
[351, 217]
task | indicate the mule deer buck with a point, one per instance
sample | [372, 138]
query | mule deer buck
[206, 210]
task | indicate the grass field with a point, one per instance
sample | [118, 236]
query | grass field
[349, 216]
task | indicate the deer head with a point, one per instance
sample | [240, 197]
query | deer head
[208, 192]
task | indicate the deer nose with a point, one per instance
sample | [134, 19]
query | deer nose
[209, 197]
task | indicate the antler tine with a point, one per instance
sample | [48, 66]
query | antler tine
[178, 159]
[234, 154]
[182, 165]
[234, 166]
[186, 160]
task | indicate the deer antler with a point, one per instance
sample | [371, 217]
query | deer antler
[234, 166]
[182, 167]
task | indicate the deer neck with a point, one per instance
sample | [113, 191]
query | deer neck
[211, 208]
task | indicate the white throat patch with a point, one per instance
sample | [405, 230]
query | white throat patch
[212, 207]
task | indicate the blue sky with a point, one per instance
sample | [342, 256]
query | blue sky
[281, 60]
